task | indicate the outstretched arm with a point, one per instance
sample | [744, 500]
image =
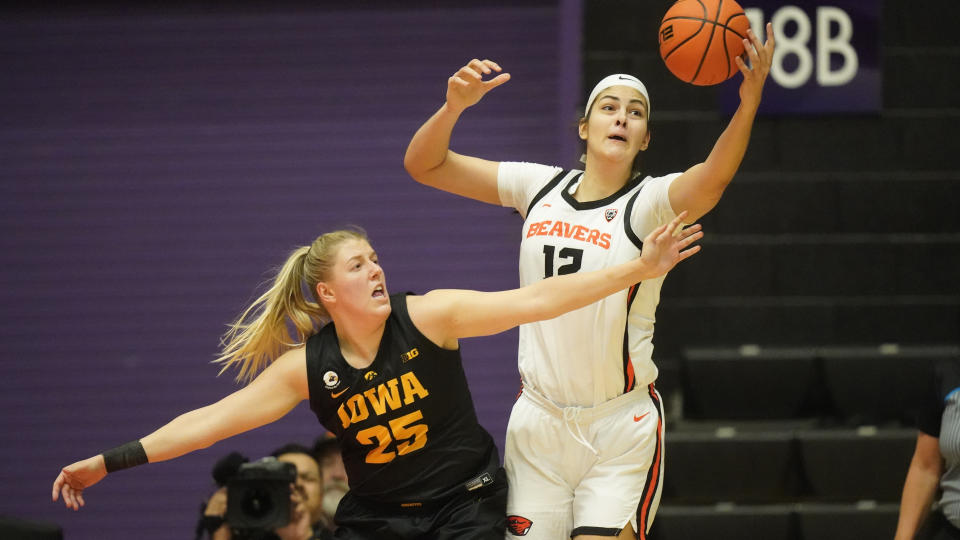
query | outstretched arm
[270, 396]
[445, 315]
[920, 487]
[700, 187]
[429, 159]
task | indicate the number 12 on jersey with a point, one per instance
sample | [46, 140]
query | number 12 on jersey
[571, 256]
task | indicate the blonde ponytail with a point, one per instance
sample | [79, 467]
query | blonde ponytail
[263, 331]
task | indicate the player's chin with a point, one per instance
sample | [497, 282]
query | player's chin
[381, 304]
[620, 151]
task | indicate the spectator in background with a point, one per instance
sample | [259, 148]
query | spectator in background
[310, 482]
[213, 511]
[326, 450]
[935, 466]
[213, 518]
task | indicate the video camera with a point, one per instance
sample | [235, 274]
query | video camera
[258, 498]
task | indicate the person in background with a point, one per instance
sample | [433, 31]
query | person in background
[934, 473]
[213, 510]
[213, 524]
[326, 449]
[310, 483]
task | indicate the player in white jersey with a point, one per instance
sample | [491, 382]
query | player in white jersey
[584, 452]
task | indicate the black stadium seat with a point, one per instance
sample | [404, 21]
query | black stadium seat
[856, 464]
[749, 383]
[726, 465]
[879, 385]
[854, 521]
[723, 522]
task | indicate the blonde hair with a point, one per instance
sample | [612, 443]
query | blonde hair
[262, 332]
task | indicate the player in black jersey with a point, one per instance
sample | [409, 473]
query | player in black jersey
[384, 374]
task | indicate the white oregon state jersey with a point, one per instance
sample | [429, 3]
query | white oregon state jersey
[596, 353]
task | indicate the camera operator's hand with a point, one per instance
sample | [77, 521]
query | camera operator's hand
[217, 508]
[299, 527]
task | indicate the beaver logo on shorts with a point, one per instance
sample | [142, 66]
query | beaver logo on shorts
[518, 525]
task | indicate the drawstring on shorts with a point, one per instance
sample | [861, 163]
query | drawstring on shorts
[570, 417]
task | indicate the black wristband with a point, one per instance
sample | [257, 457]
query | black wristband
[125, 456]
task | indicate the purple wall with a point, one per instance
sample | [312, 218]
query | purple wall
[156, 165]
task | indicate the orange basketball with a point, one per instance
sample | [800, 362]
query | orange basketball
[700, 38]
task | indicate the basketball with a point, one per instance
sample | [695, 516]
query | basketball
[699, 40]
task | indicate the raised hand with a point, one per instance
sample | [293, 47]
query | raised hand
[466, 87]
[754, 75]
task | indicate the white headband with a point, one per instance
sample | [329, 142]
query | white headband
[618, 79]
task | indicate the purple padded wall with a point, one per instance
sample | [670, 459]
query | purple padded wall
[154, 166]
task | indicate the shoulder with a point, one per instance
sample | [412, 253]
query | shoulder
[659, 182]
[317, 343]
[526, 171]
[653, 196]
[400, 307]
[528, 167]
[290, 370]
[322, 352]
[430, 316]
[413, 314]
[292, 360]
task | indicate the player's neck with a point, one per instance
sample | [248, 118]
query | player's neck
[601, 179]
[359, 341]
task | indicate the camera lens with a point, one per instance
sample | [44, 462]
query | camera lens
[258, 503]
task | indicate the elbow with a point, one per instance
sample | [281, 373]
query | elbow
[410, 165]
[426, 169]
[416, 171]
[417, 164]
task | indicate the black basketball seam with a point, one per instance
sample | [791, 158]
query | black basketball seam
[691, 36]
[726, 50]
[721, 25]
[726, 24]
[713, 31]
[703, 21]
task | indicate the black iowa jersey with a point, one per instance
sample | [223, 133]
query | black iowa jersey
[406, 424]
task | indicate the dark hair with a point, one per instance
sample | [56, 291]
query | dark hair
[324, 446]
[292, 448]
[226, 467]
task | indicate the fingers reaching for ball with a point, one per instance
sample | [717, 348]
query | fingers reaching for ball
[755, 73]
